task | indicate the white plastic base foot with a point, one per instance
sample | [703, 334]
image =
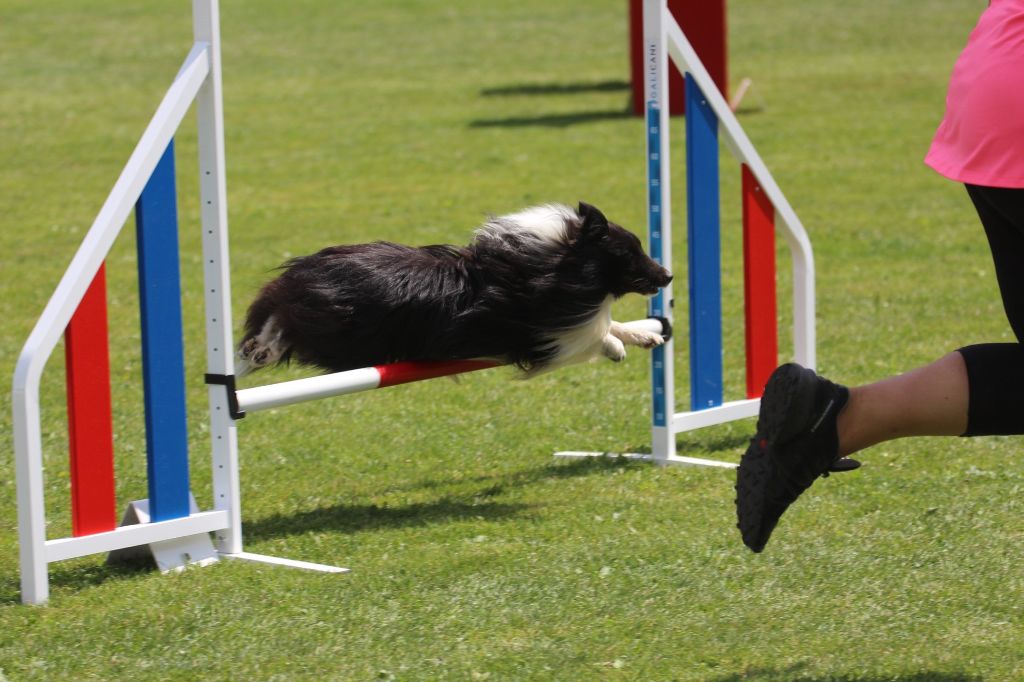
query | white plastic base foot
[170, 555]
[288, 563]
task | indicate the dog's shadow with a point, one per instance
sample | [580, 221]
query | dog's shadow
[476, 504]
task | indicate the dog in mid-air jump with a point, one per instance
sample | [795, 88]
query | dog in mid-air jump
[533, 289]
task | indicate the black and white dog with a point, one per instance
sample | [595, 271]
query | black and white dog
[533, 289]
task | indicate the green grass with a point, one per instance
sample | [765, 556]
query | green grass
[475, 555]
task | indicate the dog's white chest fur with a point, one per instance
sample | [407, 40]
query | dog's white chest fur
[601, 336]
[585, 341]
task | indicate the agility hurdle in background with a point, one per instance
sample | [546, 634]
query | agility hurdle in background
[168, 524]
[704, 22]
[764, 207]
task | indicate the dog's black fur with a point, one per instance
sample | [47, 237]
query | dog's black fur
[514, 294]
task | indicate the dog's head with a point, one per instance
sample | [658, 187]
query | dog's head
[626, 267]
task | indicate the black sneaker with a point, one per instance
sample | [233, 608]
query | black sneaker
[796, 442]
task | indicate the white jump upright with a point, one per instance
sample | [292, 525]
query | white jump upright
[176, 533]
[709, 116]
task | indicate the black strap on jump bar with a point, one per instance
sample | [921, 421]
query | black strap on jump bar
[666, 326]
[228, 382]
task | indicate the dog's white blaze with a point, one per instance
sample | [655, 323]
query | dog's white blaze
[547, 222]
[585, 341]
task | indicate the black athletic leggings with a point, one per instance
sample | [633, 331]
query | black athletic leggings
[995, 371]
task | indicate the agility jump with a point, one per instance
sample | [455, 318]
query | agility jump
[764, 206]
[169, 522]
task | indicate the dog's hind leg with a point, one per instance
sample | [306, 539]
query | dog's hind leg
[635, 337]
[264, 349]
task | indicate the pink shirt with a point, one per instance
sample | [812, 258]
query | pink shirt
[981, 139]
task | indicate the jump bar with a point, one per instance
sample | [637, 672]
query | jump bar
[352, 381]
[369, 378]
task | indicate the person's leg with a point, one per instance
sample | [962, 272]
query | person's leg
[806, 422]
[929, 401]
[968, 392]
[1002, 214]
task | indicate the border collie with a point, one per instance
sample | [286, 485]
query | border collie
[533, 289]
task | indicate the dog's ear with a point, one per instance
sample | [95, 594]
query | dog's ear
[594, 224]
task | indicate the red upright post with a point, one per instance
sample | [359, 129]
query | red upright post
[704, 23]
[93, 507]
[759, 284]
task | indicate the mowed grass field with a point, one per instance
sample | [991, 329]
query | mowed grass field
[475, 554]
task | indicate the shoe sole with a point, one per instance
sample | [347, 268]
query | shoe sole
[787, 399]
[751, 479]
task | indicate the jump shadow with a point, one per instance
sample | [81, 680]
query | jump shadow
[556, 88]
[562, 120]
[79, 577]
[353, 518]
[552, 120]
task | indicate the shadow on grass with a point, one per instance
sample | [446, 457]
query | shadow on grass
[793, 673]
[77, 578]
[583, 466]
[352, 518]
[552, 120]
[555, 120]
[556, 88]
[696, 447]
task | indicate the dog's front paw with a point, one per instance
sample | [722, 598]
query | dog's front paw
[613, 349]
[649, 340]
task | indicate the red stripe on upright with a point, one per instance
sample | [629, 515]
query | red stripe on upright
[93, 508]
[759, 284]
[407, 372]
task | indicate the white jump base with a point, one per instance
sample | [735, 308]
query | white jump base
[687, 421]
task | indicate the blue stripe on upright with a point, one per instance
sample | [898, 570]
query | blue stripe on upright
[163, 363]
[654, 227]
[704, 250]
